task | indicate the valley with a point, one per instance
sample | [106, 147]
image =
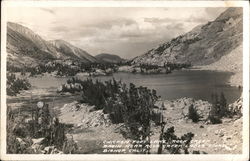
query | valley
[187, 89]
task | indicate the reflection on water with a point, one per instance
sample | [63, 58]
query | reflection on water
[186, 83]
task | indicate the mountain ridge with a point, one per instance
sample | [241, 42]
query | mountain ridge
[203, 45]
[26, 48]
[66, 47]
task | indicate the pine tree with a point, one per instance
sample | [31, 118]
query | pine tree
[223, 105]
[214, 113]
[192, 113]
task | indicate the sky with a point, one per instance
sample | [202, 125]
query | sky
[127, 32]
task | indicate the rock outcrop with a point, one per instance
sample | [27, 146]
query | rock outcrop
[84, 116]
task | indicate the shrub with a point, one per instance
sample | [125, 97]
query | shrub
[15, 85]
[73, 85]
[16, 131]
[219, 109]
[69, 146]
[134, 70]
[177, 145]
[214, 119]
[192, 113]
[115, 98]
[223, 111]
[156, 116]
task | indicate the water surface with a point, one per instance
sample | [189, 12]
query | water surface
[184, 83]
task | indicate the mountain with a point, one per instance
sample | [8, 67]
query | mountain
[203, 45]
[26, 48]
[232, 62]
[109, 58]
[72, 51]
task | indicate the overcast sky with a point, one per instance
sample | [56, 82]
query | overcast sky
[126, 32]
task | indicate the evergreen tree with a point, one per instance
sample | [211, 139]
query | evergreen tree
[192, 113]
[223, 105]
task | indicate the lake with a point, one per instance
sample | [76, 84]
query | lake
[183, 83]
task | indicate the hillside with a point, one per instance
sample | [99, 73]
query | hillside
[72, 51]
[109, 58]
[203, 45]
[26, 48]
[232, 62]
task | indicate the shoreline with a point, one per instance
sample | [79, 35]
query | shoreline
[235, 79]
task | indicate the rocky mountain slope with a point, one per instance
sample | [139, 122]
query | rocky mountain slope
[232, 62]
[26, 48]
[109, 58]
[72, 51]
[203, 45]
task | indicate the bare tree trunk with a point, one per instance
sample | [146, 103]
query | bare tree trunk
[162, 131]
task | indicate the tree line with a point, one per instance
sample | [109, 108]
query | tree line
[166, 68]
[63, 68]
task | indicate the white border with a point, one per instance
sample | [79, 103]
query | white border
[122, 157]
[246, 80]
[112, 3]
